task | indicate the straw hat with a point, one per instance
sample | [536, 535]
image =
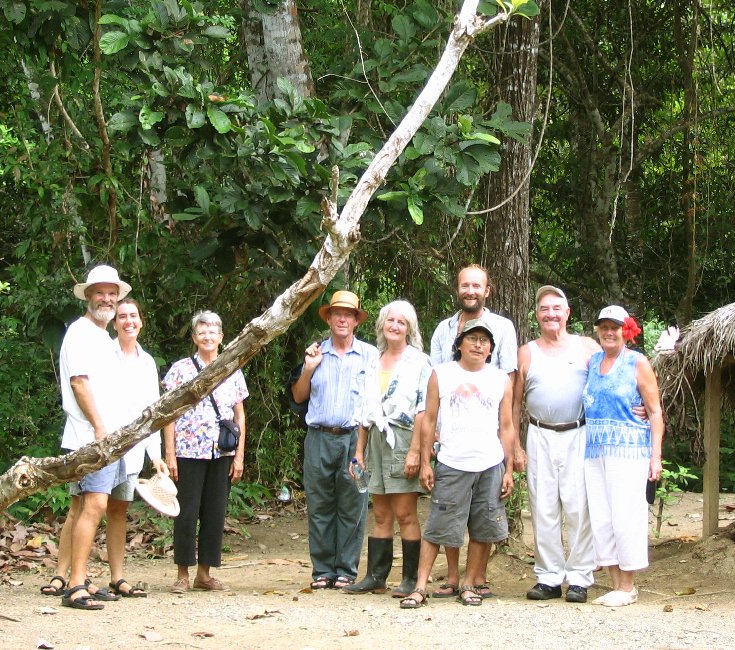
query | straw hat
[102, 275]
[346, 300]
[160, 493]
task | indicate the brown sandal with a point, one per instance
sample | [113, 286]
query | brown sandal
[473, 599]
[409, 602]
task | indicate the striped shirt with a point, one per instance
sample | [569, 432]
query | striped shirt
[338, 385]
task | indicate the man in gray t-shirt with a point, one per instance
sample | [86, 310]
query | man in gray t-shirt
[473, 290]
[552, 373]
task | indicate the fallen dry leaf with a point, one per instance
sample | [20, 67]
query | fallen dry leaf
[702, 608]
[687, 591]
[543, 605]
[203, 635]
[352, 633]
[42, 643]
[668, 608]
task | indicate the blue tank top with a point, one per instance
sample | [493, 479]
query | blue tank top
[612, 428]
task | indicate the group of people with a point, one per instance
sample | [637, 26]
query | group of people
[448, 423]
[106, 384]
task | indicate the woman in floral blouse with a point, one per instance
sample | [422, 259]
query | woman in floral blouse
[203, 473]
[388, 445]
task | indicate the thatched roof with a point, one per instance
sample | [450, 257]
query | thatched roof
[704, 344]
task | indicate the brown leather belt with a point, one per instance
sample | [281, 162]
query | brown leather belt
[337, 431]
[561, 426]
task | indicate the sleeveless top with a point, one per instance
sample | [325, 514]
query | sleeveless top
[469, 405]
[612, 428]
[554, 384]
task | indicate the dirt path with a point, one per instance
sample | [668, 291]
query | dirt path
[268, 607]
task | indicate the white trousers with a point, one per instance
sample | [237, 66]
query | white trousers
[616, 490]
[556, 487]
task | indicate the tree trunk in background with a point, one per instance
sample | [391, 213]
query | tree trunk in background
[275, 49]
[364, 13]
[686, 47]
[507, 229]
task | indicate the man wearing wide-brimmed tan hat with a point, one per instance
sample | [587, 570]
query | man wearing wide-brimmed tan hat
[92, 402]
[332, 380]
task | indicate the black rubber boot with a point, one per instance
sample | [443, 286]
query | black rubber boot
[380, 560]
[411, 550]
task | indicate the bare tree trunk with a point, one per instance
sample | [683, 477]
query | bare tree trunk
[30, 475]
[364, 13]
[686, 45]
[507, 229]
[275, 50]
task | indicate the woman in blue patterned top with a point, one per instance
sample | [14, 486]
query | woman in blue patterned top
[388, 445]
[623, 451]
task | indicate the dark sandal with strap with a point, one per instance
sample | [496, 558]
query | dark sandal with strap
[100, 592]
[50, 590]
[474, 600]
[132, 592]
[322, 582]
[82, 602]
[343, 581]
[410, 602]
[483, 591]
[448, 591]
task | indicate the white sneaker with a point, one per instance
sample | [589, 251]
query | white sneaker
[621, 598]
[602, 599]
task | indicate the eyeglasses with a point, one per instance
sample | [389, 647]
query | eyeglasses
[477, 340]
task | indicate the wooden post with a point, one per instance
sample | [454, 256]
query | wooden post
[711, 479]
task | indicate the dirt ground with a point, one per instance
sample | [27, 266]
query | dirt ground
[269, 603]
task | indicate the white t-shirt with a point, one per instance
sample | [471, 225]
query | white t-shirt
[469, 404]
[139, 388]
[87, 350]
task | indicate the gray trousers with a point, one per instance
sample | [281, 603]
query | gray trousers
[336, 510]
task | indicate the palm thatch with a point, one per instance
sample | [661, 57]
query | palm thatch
[705, 344]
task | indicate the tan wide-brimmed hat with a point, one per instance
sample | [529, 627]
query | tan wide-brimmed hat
[102, 275]
[160, 493]
[346, 300]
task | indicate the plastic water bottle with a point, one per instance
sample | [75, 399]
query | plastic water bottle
[284, 496]
[361, 478]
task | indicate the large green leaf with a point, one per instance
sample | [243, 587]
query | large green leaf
[415, 210]
[202, 198]
[113, 42]
[194, 117]
[122, 121]
[404, 27]
[460, 97]
[219, 119]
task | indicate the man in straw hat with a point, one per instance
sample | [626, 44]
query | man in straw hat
[332, 380]
[91, 399]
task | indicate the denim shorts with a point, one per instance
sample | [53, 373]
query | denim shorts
[466, 500]
[103, 481]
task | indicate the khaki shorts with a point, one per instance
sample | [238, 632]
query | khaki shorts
[466, 500]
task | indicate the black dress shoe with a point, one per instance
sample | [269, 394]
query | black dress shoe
[543, 592]
[576, 594]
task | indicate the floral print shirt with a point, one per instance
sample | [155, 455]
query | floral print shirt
[197, 430]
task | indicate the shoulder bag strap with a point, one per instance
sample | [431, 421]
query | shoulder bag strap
[211, 397]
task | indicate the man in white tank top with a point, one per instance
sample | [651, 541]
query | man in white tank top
[552, 372]
[474, 469]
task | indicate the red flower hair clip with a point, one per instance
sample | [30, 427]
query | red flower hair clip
[630, 329]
